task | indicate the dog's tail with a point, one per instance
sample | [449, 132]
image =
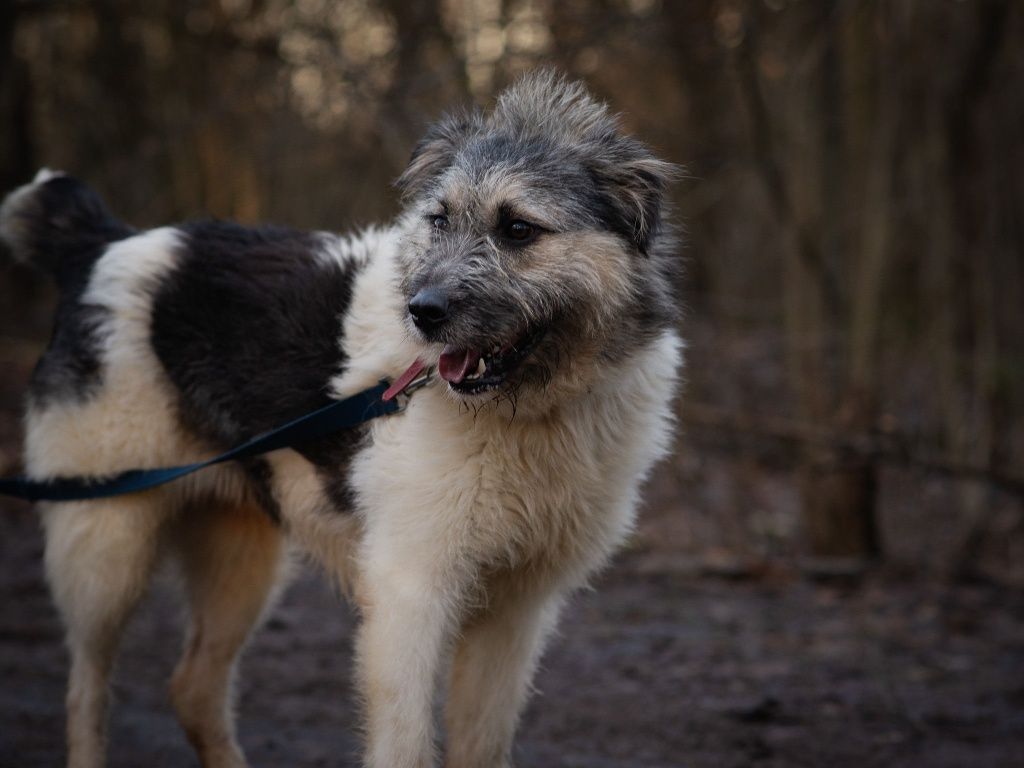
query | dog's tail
[59, 225]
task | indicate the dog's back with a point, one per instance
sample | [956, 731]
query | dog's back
[177, 341]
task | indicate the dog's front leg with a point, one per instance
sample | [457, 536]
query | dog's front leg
[409, 612]
[495, 657]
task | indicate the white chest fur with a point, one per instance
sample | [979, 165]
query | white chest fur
[527, 490]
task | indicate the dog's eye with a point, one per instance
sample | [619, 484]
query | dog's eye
[519, 232]
[439, 222]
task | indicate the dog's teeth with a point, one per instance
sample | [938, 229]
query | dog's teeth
[481, 367]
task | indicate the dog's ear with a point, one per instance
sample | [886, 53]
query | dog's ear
[632, 183]
[436, 151]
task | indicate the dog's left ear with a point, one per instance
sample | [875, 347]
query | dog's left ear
[633, 182]
[436, 151]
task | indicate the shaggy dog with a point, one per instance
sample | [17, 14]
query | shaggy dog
[532, 266]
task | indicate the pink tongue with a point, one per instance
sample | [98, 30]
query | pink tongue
[454, 364]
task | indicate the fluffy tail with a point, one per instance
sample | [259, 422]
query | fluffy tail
[59, 225]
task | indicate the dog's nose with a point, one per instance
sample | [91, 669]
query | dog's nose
[429, 309]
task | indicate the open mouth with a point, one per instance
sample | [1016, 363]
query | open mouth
[471, 371]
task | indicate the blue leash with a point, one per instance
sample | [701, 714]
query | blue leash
[344, 414]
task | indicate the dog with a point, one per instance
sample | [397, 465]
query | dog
[533, 265]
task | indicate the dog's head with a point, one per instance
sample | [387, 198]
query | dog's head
[535, 249]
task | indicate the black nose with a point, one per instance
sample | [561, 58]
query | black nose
[429, 309]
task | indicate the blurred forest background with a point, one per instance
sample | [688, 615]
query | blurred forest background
[829, 569]
[854, 203]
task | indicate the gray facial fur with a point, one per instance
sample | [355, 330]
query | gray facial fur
[598, 279]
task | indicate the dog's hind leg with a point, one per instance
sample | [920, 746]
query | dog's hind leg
[99, 558]
[231, 557]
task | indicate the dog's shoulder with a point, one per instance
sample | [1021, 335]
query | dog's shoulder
[249, 324]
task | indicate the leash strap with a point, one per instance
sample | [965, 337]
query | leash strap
[344, 414]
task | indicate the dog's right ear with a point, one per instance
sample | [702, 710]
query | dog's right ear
[436, 151]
